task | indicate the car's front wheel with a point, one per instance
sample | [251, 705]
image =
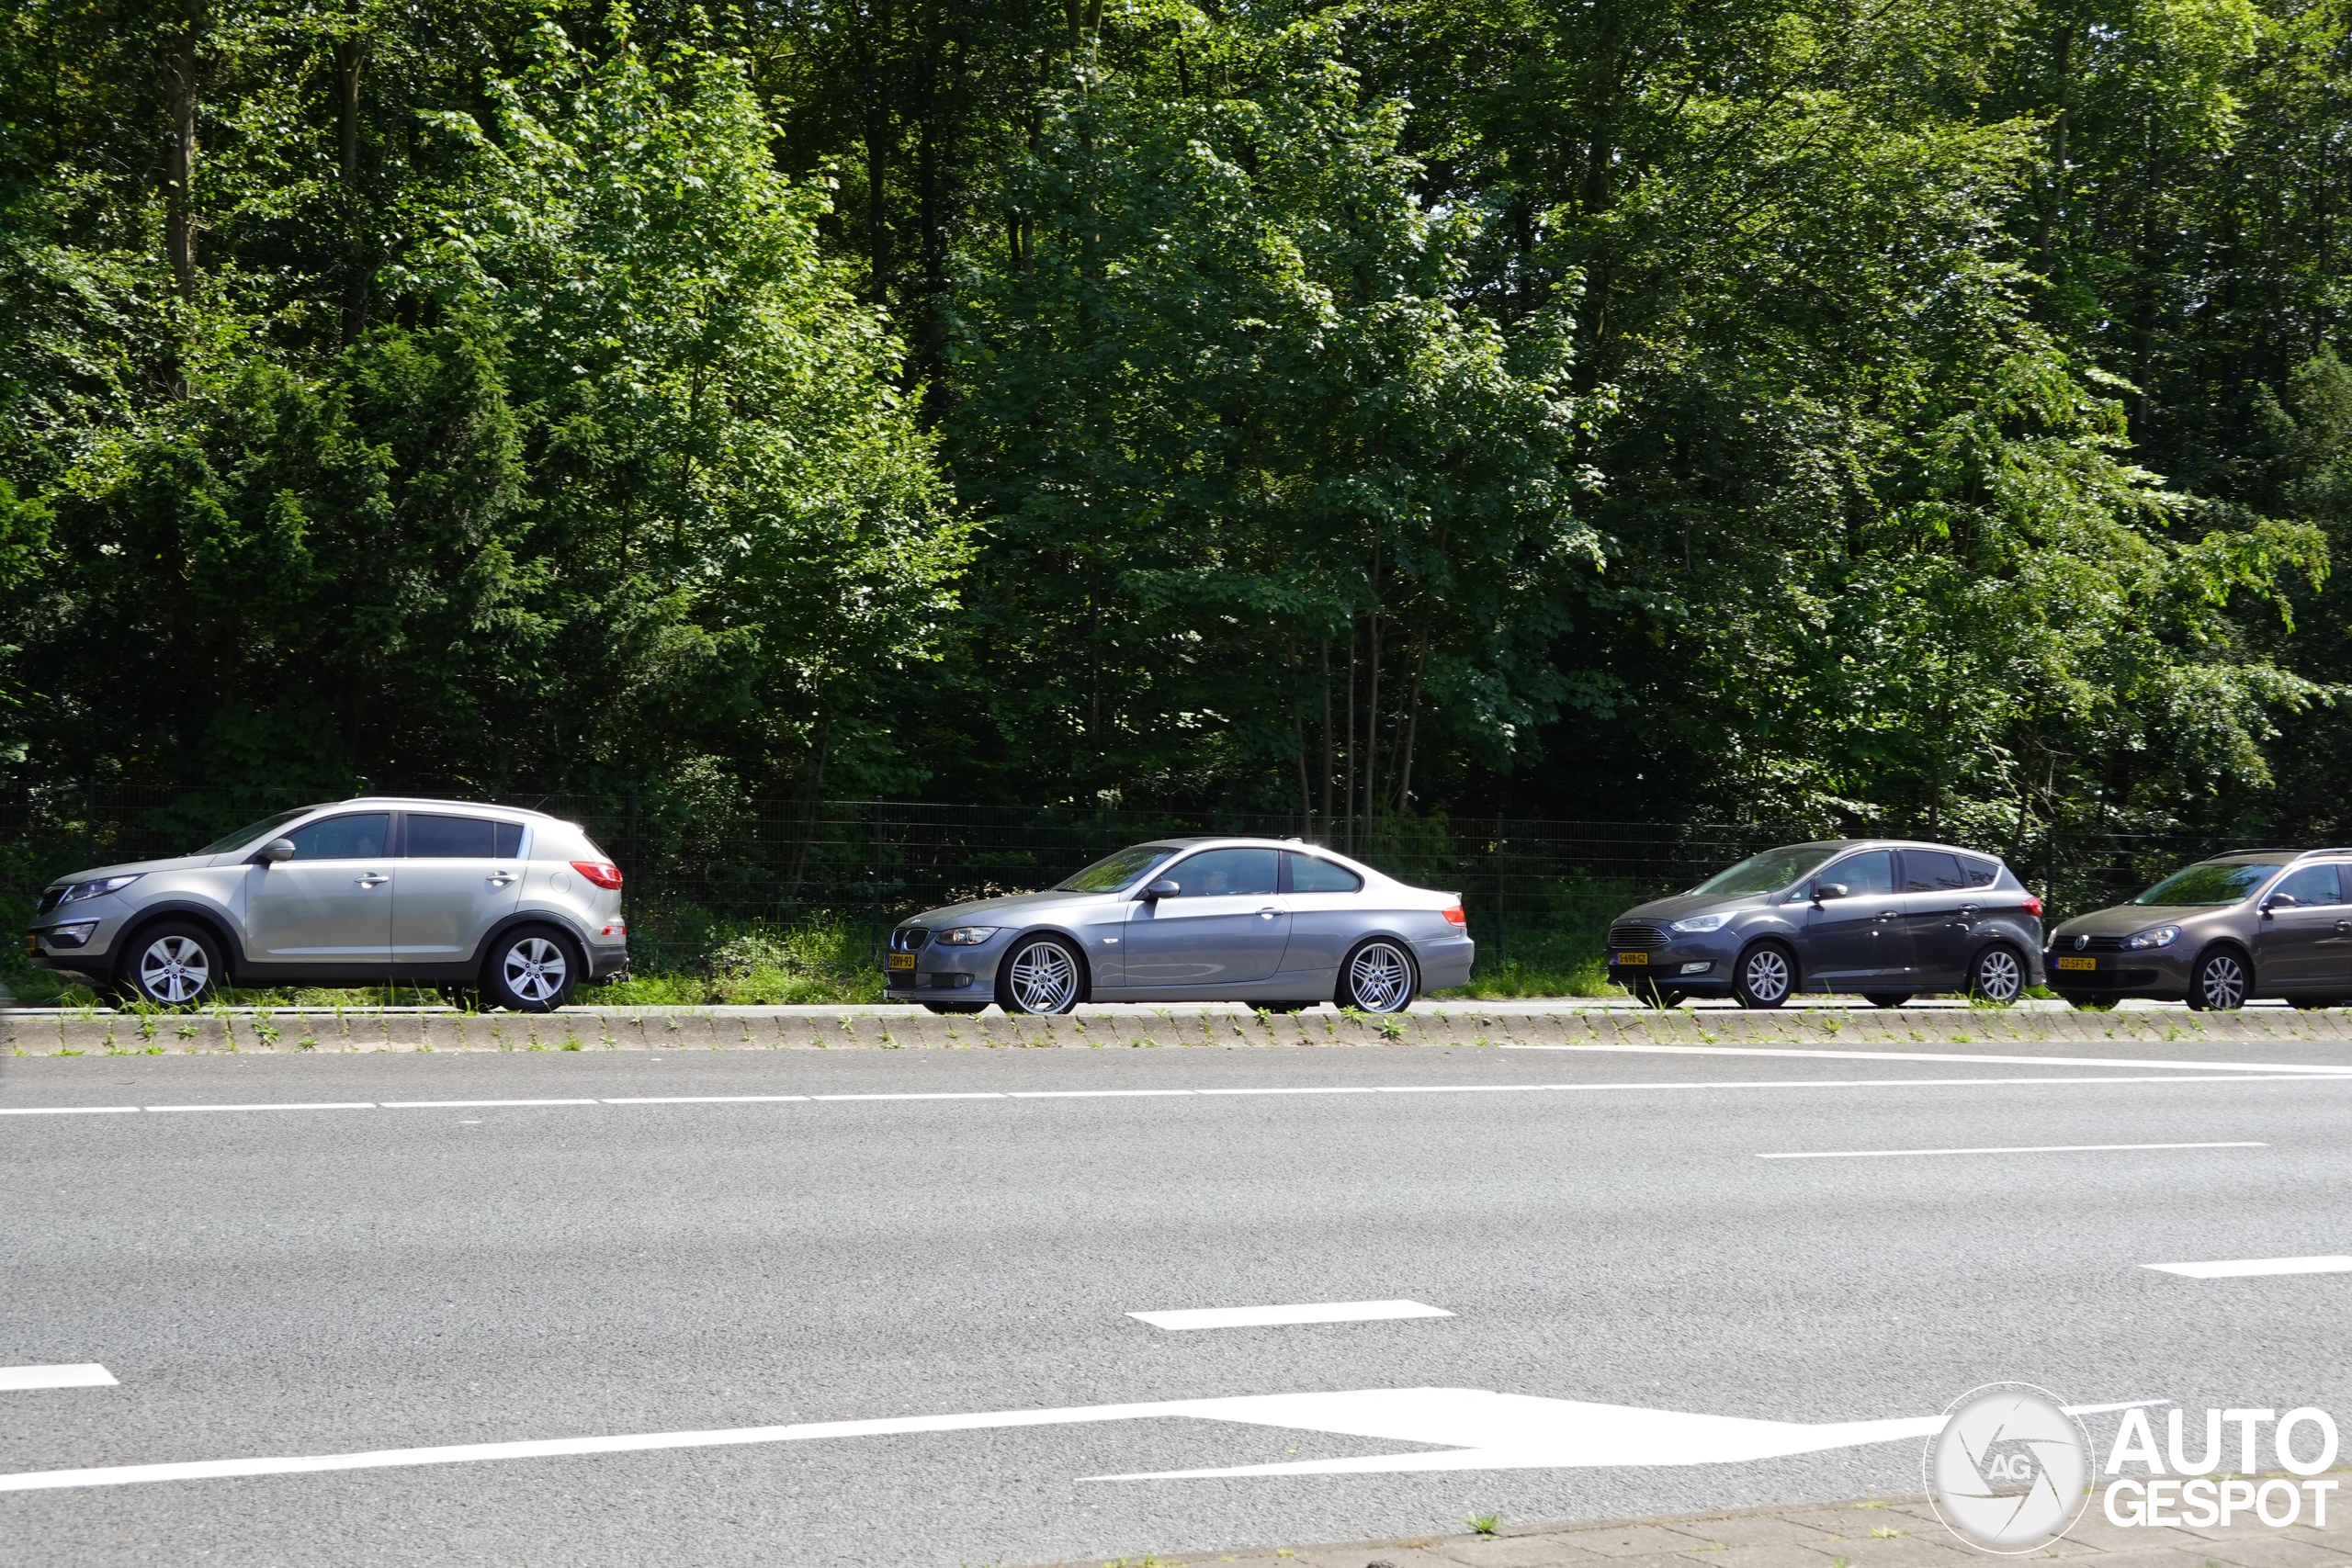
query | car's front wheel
[175, 965]
[1997, 976]
[1041, 975]
[1767, 975]
[530, 970]
[2219, 983]
[1377, 977]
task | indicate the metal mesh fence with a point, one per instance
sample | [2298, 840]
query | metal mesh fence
[1537, 892]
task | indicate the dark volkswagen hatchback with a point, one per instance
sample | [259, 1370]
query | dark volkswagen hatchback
[1888, 919]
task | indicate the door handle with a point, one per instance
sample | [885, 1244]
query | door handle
[500, 878]
[2343, 927]
[1888, 915]
[373, 879]
[1268, 913]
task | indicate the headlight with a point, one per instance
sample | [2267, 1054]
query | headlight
[966, 936]
[1698, 923]
[104, 884]
[2163, 936]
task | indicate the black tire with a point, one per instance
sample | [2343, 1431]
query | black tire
[959, 1008]
[173, 964]
[1378, 975]
[2220, 982]
[1766, 975]
[1886, 999]
[1041, 975]
[530, 969]
[1997, 975]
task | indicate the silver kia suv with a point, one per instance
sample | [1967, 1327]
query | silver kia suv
[512, 906]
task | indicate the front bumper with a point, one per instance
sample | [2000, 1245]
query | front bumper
[2159, 973]
[942, 971]
[1695, 966]
[51, 943]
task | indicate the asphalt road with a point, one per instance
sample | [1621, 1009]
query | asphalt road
[285, 1282]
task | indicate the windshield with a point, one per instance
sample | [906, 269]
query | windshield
[248, 833]
[1114, 872]
[1767, 873]
[2212, 882]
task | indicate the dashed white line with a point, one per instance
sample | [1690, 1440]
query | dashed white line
[273, 1105]
[1629, 1049]
[707, 1100]
[68, 1110]
[2011, 1149]
[79, 1374]
[2251, 1267]
[1272, 1317]
[469, 1104]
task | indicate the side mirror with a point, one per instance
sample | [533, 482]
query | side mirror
[1163, 888]
[276, 852]
[1829, 890]
[2280, 901]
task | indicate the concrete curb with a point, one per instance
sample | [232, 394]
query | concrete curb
[638, 1029]
[1881, 1533]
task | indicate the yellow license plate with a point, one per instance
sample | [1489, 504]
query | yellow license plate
[32, 942]
[1626, 958]
[2078, 964]
[902, 961]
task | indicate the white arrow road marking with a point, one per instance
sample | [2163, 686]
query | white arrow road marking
[1479, 1428]
[82, 1374]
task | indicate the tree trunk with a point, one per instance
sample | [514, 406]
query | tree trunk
[349, 56]
[179, 157]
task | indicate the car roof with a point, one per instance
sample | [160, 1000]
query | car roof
[409, 800]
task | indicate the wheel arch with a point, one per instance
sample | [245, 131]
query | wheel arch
[1068, 939]
[1768, 938]
[135, 929]
[506, 924]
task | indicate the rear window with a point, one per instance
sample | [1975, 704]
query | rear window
[1980, 872]
[1931, 871]
[1309, 875]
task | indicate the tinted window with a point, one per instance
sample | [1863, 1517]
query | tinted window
[451, 838]
[1216, 873]
[1309, 875]
[1864, 873]
[509, 839]
[1114, 872]
[1927, 871]
[250, 832]
[1767, 873]
[2211, 883]
[1980, 872]
[360, 835]
[2314, 884]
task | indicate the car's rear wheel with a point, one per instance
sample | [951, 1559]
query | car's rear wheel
[1042, 975]
[1886, 999]
[530, 970]
[2219, 983]
[1997, 976]
[1765, 977]
[1377, 977]
[175, 965]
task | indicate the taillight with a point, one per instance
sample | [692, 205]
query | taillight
[2033, 906]
[603, 873]
[1454, 917]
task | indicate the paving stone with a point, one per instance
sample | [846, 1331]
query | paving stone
[1755, 1530]
[1631, 1541]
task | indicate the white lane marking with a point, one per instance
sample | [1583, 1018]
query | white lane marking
[81, 1374]
[472, 1104]
[1945, 1056]
[1269, 1317]
[1474, 1428]
[1680, 1085]
[275, 1105]
[2014, 1149]
[705, 1100]
[2248, 1268]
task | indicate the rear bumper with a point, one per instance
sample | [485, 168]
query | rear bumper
[1445, 961]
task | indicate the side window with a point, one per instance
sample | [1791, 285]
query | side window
[1872, 871]
[360, 835]
[450, 838]
[1980, 872]
[1930, 871]
[1309, 875]
[509, 839]
[1214, 873]
[2314, 884]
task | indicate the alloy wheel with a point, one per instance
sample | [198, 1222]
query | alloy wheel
[1380, 978]
[1043, 979]
[2220, 983]
[535, 969]
[174, 969]
[1765, 977]
[1999, 977]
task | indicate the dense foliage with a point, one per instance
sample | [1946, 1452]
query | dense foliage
[1920, 414]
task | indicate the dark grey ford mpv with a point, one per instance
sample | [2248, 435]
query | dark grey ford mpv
[1886, 918]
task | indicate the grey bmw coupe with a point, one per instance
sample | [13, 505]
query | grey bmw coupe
[1279, 923]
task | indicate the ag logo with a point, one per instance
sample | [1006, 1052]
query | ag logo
[2009, 1472]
